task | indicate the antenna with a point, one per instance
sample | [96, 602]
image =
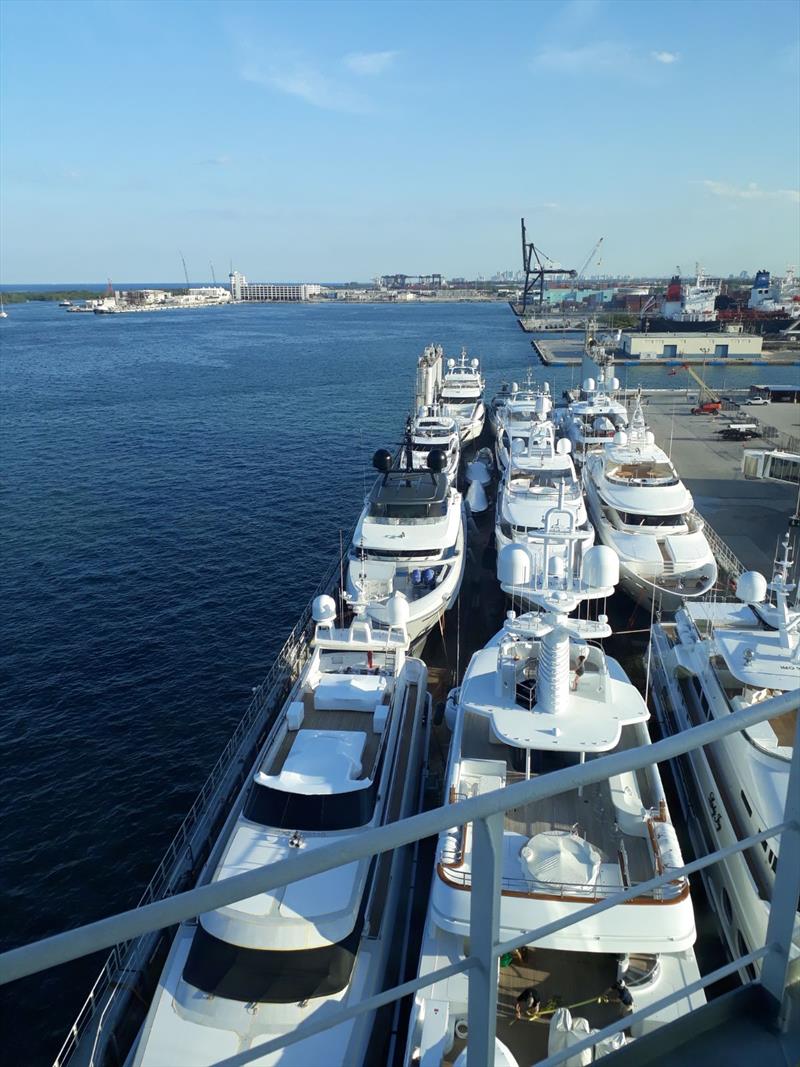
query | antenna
[185, 271]
[213, 275]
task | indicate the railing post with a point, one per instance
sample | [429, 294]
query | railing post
[786, 889]
[484, 924]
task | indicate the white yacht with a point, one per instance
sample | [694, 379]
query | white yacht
[512, 396]
[461, 395]
[516, 417]
[715, 658]
[344, 753]
[642, 509]
[591, 420]
[540, 491]
[409, 540]
[429, 430]
[543, 695]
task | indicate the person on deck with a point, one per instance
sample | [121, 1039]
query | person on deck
[528, 1003]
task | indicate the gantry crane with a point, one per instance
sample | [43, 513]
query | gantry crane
[535, 275]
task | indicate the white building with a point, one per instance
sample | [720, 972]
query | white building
[241, 289]
[725, 345]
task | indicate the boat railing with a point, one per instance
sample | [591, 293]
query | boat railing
[188, 850]
[485, 814]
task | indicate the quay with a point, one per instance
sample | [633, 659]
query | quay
[568, 352]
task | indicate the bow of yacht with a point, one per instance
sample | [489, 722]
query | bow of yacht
[641, 509]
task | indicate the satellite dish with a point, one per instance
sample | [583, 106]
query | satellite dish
[450, 364]
[437, 460]
[382, 460]
[323, 609]
[751, 587]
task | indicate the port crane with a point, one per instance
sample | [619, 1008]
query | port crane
[585, 267]
[535, 273]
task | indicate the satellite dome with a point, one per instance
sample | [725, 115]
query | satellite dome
[514, 565]
[323, 609]
[620, 438]
[517, 446]
[556, 567]
[437, 460]
[514, 387]
[614, 384]
[751, 587]
[589, 385]
[382, 460]
[397, 610]
[547, 388]
[450, 364]
[474, 363]
[650, 438]
[543, 404]
[600, 567]
[564, 446]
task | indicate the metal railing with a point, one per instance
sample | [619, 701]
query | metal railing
[188, 850]
[486, 814]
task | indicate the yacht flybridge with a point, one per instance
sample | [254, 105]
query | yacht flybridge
[515, 403]
[410, 542]
[540, 494]
[641, 509]
[591, 421]
[717, 658]
[431, 430]
[516, 418]
[542, 695]
[344, 753]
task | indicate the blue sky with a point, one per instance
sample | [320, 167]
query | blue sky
[324, 141]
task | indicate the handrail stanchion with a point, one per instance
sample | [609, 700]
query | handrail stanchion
[786, 888]
[484, 928]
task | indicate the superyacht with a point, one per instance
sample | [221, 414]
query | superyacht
[344, 753]
[410, 540]
[543, 695]
[718, 657]
[461, 395]
[592, 419]
[642, 510]
[431, 430]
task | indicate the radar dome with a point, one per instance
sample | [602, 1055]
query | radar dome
[589, 385]
[751, 587]
[547, 388]
[650, 438]
[450, 364]
[517, 446]
[474, 363]
[600, 567]
[556, 567]
[323, 609]
[564, 446]
[614, 384]
[514, 387]
[620, 438]
[382, 460]
[437, 460]
[513, 565]
[543, 404]
[397, 610]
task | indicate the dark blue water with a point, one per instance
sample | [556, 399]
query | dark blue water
[173, 486]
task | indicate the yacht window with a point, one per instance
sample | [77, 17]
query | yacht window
[310, 811]
[404, 511]
[746, 803]
[630, 519]
[701, 696]
[744, 950]
[266, 975]
[726, 904]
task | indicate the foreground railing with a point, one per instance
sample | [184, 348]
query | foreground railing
[188, 850]
[486, 813]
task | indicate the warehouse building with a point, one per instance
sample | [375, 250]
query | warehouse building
[726, 345]
[242, 290]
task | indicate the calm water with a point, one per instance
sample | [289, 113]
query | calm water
[173, 486]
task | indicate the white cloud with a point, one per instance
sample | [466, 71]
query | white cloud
[369, 63]
[665, 57]
[751, 191]
[301, 79]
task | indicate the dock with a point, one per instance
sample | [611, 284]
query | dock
[568, 352]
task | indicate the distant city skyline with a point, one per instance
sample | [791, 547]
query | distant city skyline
[335, 141]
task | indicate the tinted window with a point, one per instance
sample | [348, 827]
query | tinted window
[267, 976]
[319, 811]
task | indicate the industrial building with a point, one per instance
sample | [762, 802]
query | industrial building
[726, 345]
[242, 290]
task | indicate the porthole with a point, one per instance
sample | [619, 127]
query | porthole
[726, 905]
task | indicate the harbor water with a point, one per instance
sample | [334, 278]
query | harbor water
[173, 486]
